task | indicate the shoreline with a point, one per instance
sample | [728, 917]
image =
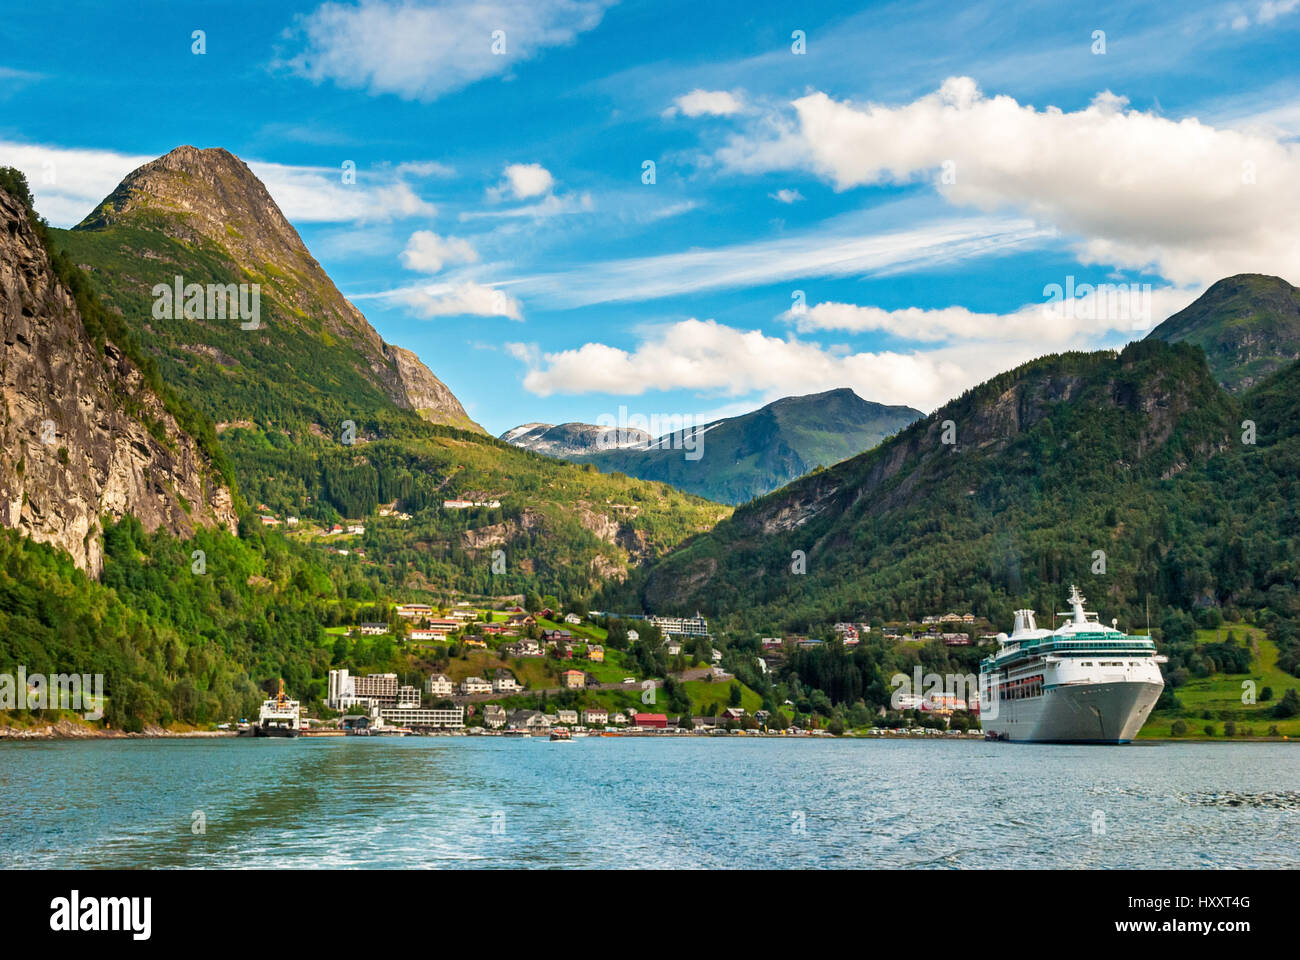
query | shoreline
[66, 730]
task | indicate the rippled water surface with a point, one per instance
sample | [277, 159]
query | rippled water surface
[639, 802]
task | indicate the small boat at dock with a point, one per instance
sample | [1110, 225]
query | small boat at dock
[279, 717]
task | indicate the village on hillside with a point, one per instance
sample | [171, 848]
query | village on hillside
[484, 668]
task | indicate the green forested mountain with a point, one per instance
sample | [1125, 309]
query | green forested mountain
[1137, 454]
[1134, 474]
[285, 395]
[1248, 325]
[739, 458]
[190, 623]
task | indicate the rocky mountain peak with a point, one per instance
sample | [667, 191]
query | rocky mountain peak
[1248, 325]
[208, 202]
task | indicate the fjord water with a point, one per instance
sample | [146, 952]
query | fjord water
[641, 802]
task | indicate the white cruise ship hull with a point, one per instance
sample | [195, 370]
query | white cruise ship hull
[1102, 712]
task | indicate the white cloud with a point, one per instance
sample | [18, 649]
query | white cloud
[421, 50]
[1067, 315]
[69, 182]
[786, 196]
[703, 355]
[524, 180]
[705, 103]
[1140, 191]
[318, 195]
[1271, 10]
[465, 298]
[427, 252]
[424, 168]
[1267, 12]
[961, 349]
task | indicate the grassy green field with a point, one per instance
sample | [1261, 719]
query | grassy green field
[703, 693]
[1221, 696]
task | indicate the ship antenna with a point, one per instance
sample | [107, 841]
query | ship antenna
[1148, 600]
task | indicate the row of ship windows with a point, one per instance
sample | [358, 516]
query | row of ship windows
[1021, 689]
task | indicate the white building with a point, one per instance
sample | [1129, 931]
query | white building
[439, 686]
[695, 626]
[452, 719]
[473, 685]
[505, 682]
[377, 689]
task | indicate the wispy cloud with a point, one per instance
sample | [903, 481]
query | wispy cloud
[421, 50]
[828, 252]
[1058, 319]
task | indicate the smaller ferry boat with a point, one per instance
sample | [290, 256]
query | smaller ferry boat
[279, 717]
[561, 735]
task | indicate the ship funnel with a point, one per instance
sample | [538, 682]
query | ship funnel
[1077, 601]
[1024, 622]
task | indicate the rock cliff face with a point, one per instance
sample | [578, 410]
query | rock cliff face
[424, 393]
[81, 433]
[209, 202]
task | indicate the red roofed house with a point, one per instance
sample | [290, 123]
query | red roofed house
[653, 721]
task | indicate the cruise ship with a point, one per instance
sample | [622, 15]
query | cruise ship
[1082, 683]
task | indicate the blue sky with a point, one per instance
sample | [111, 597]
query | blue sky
[886, 210]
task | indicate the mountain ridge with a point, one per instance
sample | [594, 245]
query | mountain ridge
[571, 440]
[894, 523]
[748, 455]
